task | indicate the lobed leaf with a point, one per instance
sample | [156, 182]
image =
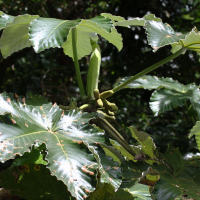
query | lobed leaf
[65, 133]
[19, 27]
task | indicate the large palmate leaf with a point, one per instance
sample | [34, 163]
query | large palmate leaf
[33, 182]
[65, 134]
[196, 131]
[147, 145]
[15, 36]
[180, 180]
[5, 19]
[160, 34]
[86, 31]
[191, 42]
[45, 33]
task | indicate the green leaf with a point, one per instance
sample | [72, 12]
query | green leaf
[159, 34]
[110, 171]
[196, 131]
[146, 143]
[132, 171]
[180, 181]
[191, 42]
[45, 33]
[107, 192]
[137, 21]
[32, 182]
[114, 18]
[140, 192]
[4, 19]
[153, 82]
[86, 31]
[15, 36]
[164, 100]
[65, 133]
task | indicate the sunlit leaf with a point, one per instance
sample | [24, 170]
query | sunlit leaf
[23, 180]
[15, 36]
[65, 134]
[191, 42]
[4, 19]
[160, 34]
[114, 18]
[45, 33]
[140, 192]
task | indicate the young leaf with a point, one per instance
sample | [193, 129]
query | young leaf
[45, 33]
[4, 19]
[159, 34]
[196, 131]
[114, 18]
[63, 132]
[19, 27]
[33, 181]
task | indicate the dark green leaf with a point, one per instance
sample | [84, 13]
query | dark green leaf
[33, 182]
[196, 131]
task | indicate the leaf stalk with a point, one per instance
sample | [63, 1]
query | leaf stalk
[75, 59]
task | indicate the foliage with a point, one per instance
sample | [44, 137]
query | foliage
[67, 147]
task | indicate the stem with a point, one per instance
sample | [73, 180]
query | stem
[75, 59]
[109, 129]
[149, 69]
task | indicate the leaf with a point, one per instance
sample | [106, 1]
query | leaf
[191, 42]
[107, 192]
[45, 33]
[15, 36]
[153, 82]
[4, 19]
[146, 143]
[132, 171]
[159, 34]
[164, 100]
[32, 182]
[140, 191]
[110, 171]
[86, 30]
[180, 181]
[196, 131]
[65, 133]
[137, 21]
[114, 18]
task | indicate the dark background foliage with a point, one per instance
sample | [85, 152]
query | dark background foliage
[52, 74]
